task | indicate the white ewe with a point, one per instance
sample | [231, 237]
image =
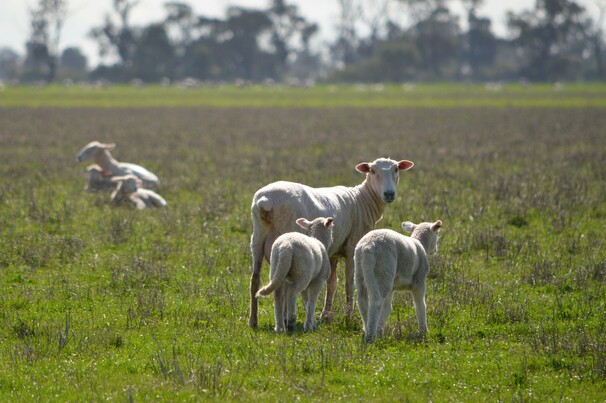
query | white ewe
[299, 265]
[276, 206]
[386, 261]
[99, 153]
[96, 180]
[129, 192]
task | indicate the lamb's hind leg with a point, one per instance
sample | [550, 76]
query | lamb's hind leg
[418, 297]
[331, 288]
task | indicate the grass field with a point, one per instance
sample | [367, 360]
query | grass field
[104, 303]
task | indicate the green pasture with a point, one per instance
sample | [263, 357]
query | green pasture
[105, 303]
[322, 96]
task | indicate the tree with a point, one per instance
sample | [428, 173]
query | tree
[73, 62]
[551, 38]
[117, 36]
[43, 45]
[9, 64]
[152, 59]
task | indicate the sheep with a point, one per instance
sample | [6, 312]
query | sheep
[355, 211]
[99, 153]
[386, 261]
[129, 191]
[96, 180]
[299, 265]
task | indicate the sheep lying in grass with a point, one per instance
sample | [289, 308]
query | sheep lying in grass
[96, 180]
[128, 191]
[276, 206]
[386, 261]
[99, 153]
[299, 265]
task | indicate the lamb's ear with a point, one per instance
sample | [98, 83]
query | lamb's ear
[303, 223]
[139, 182]
[115, 178]
[109, 146]
[436, 226]
[328, 222]
[405, 165]
[363, 167]
[408, 226]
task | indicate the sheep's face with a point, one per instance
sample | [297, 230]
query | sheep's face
[92, 149]
[383, 175]
[319, 228]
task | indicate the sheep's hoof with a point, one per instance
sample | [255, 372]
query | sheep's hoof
[326, 317]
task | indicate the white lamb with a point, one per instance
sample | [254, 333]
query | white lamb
[129, 191]
[355, 210]
[299, 265]
[96, 180]
[386, 261]
[99, 153]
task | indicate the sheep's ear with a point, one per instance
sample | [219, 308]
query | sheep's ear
[139, 181]
[408, 226]
[405, 165]
[303, 223]
[436, 226]
[363, 167]
[109, 146]
[329, 221]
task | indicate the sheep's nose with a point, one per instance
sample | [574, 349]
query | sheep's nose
[389, 196]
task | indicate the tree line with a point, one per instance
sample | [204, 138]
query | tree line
[376, 41]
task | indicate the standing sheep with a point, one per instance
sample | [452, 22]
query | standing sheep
[299, 265]
[276, 206]
[99, 153]
[128, 191]
[386, 261]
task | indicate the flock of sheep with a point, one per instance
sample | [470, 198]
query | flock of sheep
[302, 232]
[131, 183]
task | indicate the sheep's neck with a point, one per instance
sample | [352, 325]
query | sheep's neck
[424, 237]
[105, 160]
[373, 203]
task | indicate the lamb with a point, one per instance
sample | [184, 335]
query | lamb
[129, 191]
[96, 180]
[299, 265]
[355, 210]
[386, 261]
[100, 154]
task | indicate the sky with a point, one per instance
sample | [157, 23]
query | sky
[85, 14]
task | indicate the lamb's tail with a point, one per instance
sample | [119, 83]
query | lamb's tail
[278, 272]
[263, 207]
[365, 262]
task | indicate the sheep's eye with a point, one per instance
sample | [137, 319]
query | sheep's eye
[395, 169]
[372, 171]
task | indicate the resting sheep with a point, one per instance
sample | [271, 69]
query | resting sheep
[99, 153]
[386, 261]
[96, 180]
[129, 192]
[355, 210]
[299, 265]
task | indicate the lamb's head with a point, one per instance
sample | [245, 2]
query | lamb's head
[426, 232]
[319, 228]
[127, 183]
[92, 149]
[383, 176]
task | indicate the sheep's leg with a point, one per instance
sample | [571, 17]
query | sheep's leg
[385, 311]
[418, 297]
[349, 285]
[363, 305]
[256, 247]
[311, 296]
[291, 308]
[331, 288]
[279, 309]
[374, 310]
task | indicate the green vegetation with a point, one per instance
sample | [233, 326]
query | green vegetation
[111, 303]
[358, 96]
